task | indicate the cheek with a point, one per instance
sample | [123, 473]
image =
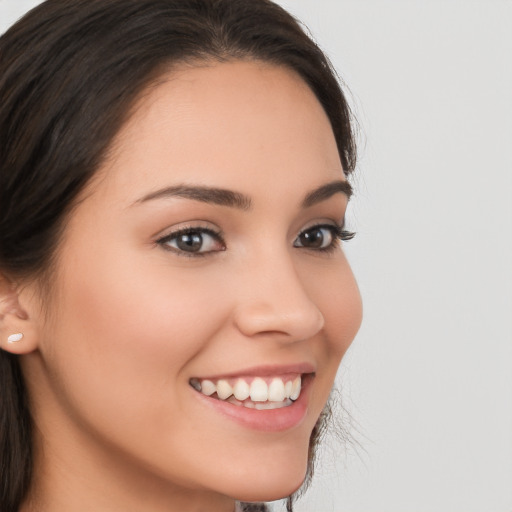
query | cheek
[337, 296]
[129, 334]
[334, 290]
[141, 316]
[343, 314]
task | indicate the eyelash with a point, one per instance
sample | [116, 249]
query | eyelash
[338, 233]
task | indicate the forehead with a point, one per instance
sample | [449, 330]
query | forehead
[224, 124]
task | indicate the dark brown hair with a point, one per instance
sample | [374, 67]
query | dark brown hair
[70, 73]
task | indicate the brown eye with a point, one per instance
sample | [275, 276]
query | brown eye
[193, 242]
[317, 237]
[190, 242]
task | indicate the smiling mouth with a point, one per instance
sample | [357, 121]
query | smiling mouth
[253, 393]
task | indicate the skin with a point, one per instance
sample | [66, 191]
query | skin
[131, 321]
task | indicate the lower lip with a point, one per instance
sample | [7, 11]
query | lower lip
[267, 420]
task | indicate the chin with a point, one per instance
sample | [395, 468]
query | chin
[270, 482]
[272, 492]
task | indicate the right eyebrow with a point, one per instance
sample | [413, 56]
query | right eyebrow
[326, 191]
[218, 196]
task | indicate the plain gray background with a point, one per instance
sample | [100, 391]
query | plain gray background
[428, 381]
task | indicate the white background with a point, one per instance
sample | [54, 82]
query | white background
[428, 381]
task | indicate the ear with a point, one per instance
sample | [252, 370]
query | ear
[18, 333]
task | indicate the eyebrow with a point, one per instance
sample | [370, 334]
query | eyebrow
[326, 191]
[219, 196]
[230, 198]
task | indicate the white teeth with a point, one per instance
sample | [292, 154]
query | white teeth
[224, 390]
[241, 390]
[208, 387]
[259, 390]
[295, 389]
[276, 391]
[288, 389]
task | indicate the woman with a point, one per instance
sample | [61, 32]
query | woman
[175, 301]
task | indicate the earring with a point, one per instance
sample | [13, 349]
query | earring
[14, 338]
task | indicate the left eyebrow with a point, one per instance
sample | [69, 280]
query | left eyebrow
[326, 191]
[218, 196]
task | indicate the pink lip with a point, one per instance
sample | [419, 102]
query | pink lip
[264, 371]
[270, 420]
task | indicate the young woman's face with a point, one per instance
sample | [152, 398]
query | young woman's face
[204, 258]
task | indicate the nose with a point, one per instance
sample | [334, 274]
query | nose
[275, 303]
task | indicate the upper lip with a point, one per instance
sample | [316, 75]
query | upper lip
[264, 371]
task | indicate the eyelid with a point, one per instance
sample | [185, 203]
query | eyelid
[192, 225]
